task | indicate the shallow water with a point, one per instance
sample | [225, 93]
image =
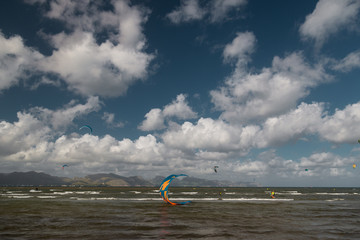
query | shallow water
[140, 213]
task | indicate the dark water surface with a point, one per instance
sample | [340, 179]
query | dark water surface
[139, 213]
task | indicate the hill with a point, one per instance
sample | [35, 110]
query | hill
[107, 179]
[29, 179]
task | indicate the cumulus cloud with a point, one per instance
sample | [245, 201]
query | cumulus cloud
[16, 60]
[329, 17]
[35, 141]
[328, 164]
[268, 165]
[342, 126]
[26, 133]
[179, 108]
[211, 135]
[313, 119]
[215, 10]
[100, 52]
[279, 130]
[154, 120]
[35, 129]
[273, 91]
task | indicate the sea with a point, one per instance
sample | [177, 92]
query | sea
[213, 213]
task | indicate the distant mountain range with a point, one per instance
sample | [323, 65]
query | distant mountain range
[108, 179]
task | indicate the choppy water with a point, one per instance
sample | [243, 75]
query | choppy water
[140, 213]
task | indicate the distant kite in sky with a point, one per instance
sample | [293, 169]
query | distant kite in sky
[87, 126]
[354, 165]
[215, 168]
[164, 189]
[306, 169]
[65, 165]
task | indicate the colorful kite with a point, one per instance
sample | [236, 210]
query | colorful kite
[164, 189]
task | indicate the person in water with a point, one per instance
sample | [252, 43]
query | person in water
[272, 194]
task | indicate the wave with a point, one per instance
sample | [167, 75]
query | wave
[335, 199]
[136, 192]
[63, 193]
[89, 192]
[46, 197]
[335, 194]
[93, 199]
[35, 191]
[187, 199]
[18, 196]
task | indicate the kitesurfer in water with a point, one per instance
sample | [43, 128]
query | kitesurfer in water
[220, 198]
[272, 194]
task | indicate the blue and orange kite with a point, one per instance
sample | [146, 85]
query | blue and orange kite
[164, 189]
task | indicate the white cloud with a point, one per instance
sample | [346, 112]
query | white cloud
[60, 119]
[179, 109]
[351, 61]
[90, 66]
[194, 148]
[327, 164]
[154, 120]
[109, 118]
[340, 127]
[240, 49]
[273, 91]
[268, 164]
[211, 135]
[279, 130]
[29, 138]
[188, 10]
[343, 125]
[16, 60]
[215, 10]
[328, 18]
[24, 134]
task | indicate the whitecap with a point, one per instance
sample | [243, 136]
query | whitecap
[189, 193]
[136, 192]
[88, 192]
[18, 196]
[63, 193]
[334, 194]
[335, 199]
[45, 197]
[35, 191]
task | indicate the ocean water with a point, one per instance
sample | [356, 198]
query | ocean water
[140, 213]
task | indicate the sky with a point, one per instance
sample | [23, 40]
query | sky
[266, 90]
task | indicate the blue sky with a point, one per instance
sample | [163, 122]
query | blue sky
[263, 89]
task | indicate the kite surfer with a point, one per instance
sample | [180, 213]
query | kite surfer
[272, 194]
[220, 198]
